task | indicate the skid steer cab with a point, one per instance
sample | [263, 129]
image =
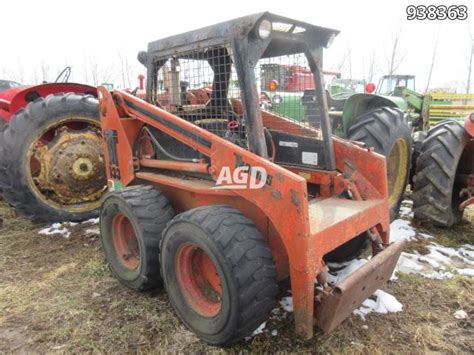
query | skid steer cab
[219, 200]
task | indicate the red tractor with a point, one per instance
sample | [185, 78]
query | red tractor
[51, 160]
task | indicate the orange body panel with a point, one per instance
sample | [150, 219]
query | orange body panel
[299, 230]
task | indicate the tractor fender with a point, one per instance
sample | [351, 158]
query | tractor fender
[469, 124]
[357, 104]
[21, 97]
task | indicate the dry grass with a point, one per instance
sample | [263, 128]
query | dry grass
[57, 295]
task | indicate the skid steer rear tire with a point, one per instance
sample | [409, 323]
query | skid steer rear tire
[19, 134]
[131, 223]
[218, 272]
[443, 156]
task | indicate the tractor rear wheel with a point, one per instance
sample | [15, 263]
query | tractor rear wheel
[131, 223]
[218, 272]
[3, 122]
[52, 167]
[418, 138]
[386, 129]
[446, 155]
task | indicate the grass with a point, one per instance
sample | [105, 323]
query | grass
[57, 295]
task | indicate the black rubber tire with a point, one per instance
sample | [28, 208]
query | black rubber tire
[349, 250]
[244, 264]
[3, 122]
[149, 211]
[380, 128]
[3, 126]
[22, 129]
[418, 138]
[436, 193]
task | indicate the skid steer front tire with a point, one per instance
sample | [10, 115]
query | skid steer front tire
[131, 223]
[29, 183]
[443, 156]
[218, 272]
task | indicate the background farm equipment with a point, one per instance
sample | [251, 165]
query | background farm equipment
[223, 248]
[51, 160]
[371, 119]
[442, 171]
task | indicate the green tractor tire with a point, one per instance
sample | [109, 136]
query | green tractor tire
[385, 129]
[446, 155]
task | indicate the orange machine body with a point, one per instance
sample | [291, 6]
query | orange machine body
[300, 228]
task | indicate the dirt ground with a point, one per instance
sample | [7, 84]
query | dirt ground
[57, 295]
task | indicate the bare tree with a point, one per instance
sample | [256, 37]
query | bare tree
[469, 70]
[370, 75]
[395, 58]
[125, 69]
[20, 71]
[101, 74]
[433, 58]
[342, 62]
[44, 71]
[34, 77]
[350, 62]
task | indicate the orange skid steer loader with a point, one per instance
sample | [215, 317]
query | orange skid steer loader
[290, 195]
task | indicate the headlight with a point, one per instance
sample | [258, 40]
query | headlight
[264, 29]
[277, 99]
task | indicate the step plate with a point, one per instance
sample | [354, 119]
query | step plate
[337, 305]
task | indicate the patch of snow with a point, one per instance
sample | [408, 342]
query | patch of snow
[274, 332]
[466, 272]
[57, 229]
[342, 273]
[440, 262]
[401, 229]
[93, 231]
[380, 302]
[406, 209]
[425, 236]
[287, 303]
[460, 314]
[260, 329]
[92, 221]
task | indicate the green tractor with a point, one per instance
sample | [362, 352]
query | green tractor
[442, 172]
[377, 121]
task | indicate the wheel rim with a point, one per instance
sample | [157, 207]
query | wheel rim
[199, 280]
[397, 164]
[125, 242]
[65, 165]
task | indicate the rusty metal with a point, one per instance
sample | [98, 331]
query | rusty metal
[69, 169]
[174, 165]
[336, 304]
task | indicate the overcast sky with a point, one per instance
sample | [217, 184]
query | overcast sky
[41, 37]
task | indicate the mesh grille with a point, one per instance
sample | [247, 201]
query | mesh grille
[288, 89]
[198, 86]
[202, 87]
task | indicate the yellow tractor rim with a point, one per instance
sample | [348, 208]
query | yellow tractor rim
[397, 168]
[84, 169]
